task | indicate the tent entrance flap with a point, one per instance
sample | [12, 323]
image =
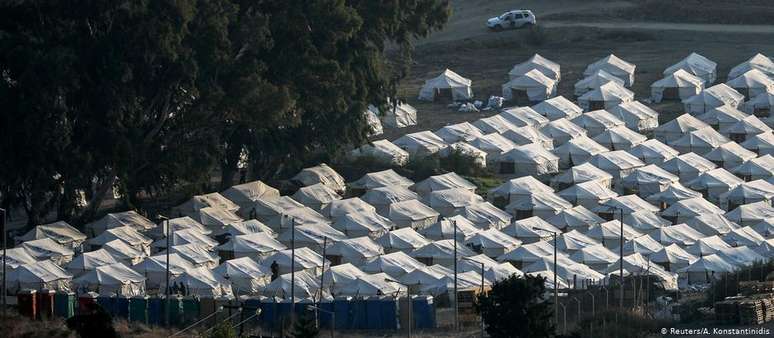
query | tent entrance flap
[507, 168]
[744, 91]
[761, 112]
[520, 97]
[671, 93]
[443, 94]
[596, 105]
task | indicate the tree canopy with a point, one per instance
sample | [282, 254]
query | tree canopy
[516, 307]
[143, 96]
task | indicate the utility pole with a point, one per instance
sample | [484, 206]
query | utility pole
[621, 303]
[293, 266]
[168, 230]
[556, 284]
[456, 301]
[5, 289]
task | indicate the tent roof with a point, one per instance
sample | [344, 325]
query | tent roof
[355, 247]
[695, 63]
[259, 242]
[537, 62]
[60, 231]
[45, 248]
[463, 131]
[402, 239]
[384, 178]
[321, 173]
[558, 107]
[441, 182]
[315, 193]
[244, 267]
[388, 195]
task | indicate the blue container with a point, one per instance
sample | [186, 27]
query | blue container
[122, 307]
[359, 314]
[423, 312]
[190, 310]
[342, 306]
[175, 310]
[268, 317]
[325, 316]
[108, 303]
[389, 309]
[138, 309]
[156, 314]
[373, 311]
[64, 304]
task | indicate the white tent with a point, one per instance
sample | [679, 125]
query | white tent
[617, 163]
[441, 182]
[371, 118]
[756, 169]
[423, 278]
[88, 261]
[594, 81]
[305, 260]
[760, 105]
[463, 131]
[413, 214]
[177, 224]
[530, 253]
[577, 150]
[441, 252]
[216, 217]
[636, 116]
[115, 278]
[711, 224]
[713, 183]
[648, 180]
[673, 258]
[304, 286]
[395, 264]
[574, 240]
[321, 173]
[704, 269]
[478, 156]
[707, 246]
[562, 130]
[537, 62]
[679, 85]
[526, 135]
[624, 204]
[582, 173]
[383, 151]
[597, 121]
[672, 194]
[363, 224]
[154, 269]
[685, 209]
[699, 141]
[765, 228]
[402, 240]
[741, 256]
[17, 256]
[597, 257]
[338, 277]
[338, 208]
[316, 196]
[644, 245]
[357, 251]
[619, 138]
[762, 144]
[531, 159]
[531, 230]
[47, 248]
[712, 97]
[578, 218]
[645, 220]
[245, 194]
[568, 270]
[494, 145]
[747, 192]
[558, 107]
[615, 66]
[485, 215]
[245, 275]
[129, 235]
[449, 85]
[491, 242]
[60, 232]
[675, 129]
[311, 236]
[609, 233]
[748, 127]
[203, 282]
[523, 116]
[722, 118]
[697, 65]
[302, 215]
[516, 188]
[688, 166]
[123, 252]
[637, 264]
[445, 229]
[420, 144]
[758, 61]
[752, 83]
[43, 275]
[680, 234]
[751, 214]
[745, 236]
[119, 219]
[373, 285]
[400, 116]
[256, 245]
[606, 96]
[381, 198]
[531, 88]
[196, 254]
[541, 204]
[494, 124]
[652, 151]
[193, 206]
[588, 194]
[450, 201]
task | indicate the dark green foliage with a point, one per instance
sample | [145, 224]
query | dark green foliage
[619, 323]
[223, 329]
[304, 326]
[515, 308]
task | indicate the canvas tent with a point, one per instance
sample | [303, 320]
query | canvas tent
[759, 168]
[594, 81]
[399, 116]
[485, 214]
[678, 127]
[47, 248]
[421, 144]
[316, 196]
[383, 151]
[356, 250]
[588, 194]
[114, 220]
[714, 182]
[395, 264]
[363, 224]
[679, 85]
[761, 144]
[441, 252]
[672, 257]
[115, 278]
[403, 240]
[558, 107]
[88, 261]
[747, 127]
[154, 269]
[615, 66]
[445, 229]
[751, 214]
[699, 141]
[619, 138]
[636, 116]
[321, 173]
[515, 188]
[526, 135]
[606, 96]
[760, 105]
[60, 232]
[653, 151]
[450, 201]
[529, 88]
[705, 269]
[463, 131]
[42, 275]
[688, 166]
[537, 62]
[244, 274]
[448, 85]
[374, 123]
[494, 124]
[441, 182]
[582, 173]
[381, 198]
[562, 130]
[721, 118]
[758, 62]
[577, 150]
[696, 65]
[648, 180]
[244, 195]
[256, 245]
[597, 121]
[127, 234]
[531, 159]
[672, 194]
[413, 214]
[491, 242]
[541, 204]
[713, 97]
[193, 206]
[752, 83]
[203, 282]
[578, 218]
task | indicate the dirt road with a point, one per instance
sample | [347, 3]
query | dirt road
[710, 28]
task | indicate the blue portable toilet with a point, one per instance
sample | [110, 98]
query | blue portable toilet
[326, 306]
[156, 314]
[423, 312]
[373, 312]
[389, 313]
[190, 310]
[342, 308]
[122, 307]
[268, 317]
[108, 303]
[64, 304]
[138, 309]
[302, 306]
[175, 310]
[359, 314]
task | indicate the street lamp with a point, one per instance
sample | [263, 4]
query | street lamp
[293, 260]
[5, 290]
[621, 302]
[456, 301]
[408, 296]
[556, 284]
[168, 230]
[482, 288]
[333, 317]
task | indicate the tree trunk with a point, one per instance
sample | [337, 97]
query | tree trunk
[105, 185]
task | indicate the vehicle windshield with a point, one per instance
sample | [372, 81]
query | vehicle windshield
[504, 16]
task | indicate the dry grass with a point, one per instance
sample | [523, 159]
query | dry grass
[15, 326]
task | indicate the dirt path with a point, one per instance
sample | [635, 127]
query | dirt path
[711, 28]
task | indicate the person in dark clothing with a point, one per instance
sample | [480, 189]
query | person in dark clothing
[274, 270]
[96, 322]
[182, 289]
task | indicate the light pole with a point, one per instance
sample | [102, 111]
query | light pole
[5, 290]
[456, 301]
[564, 311]
[482, 290]
[408, 296]
[333, 317]
[621, 303]
[593, 312]
[556, 285]
[168, 230]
